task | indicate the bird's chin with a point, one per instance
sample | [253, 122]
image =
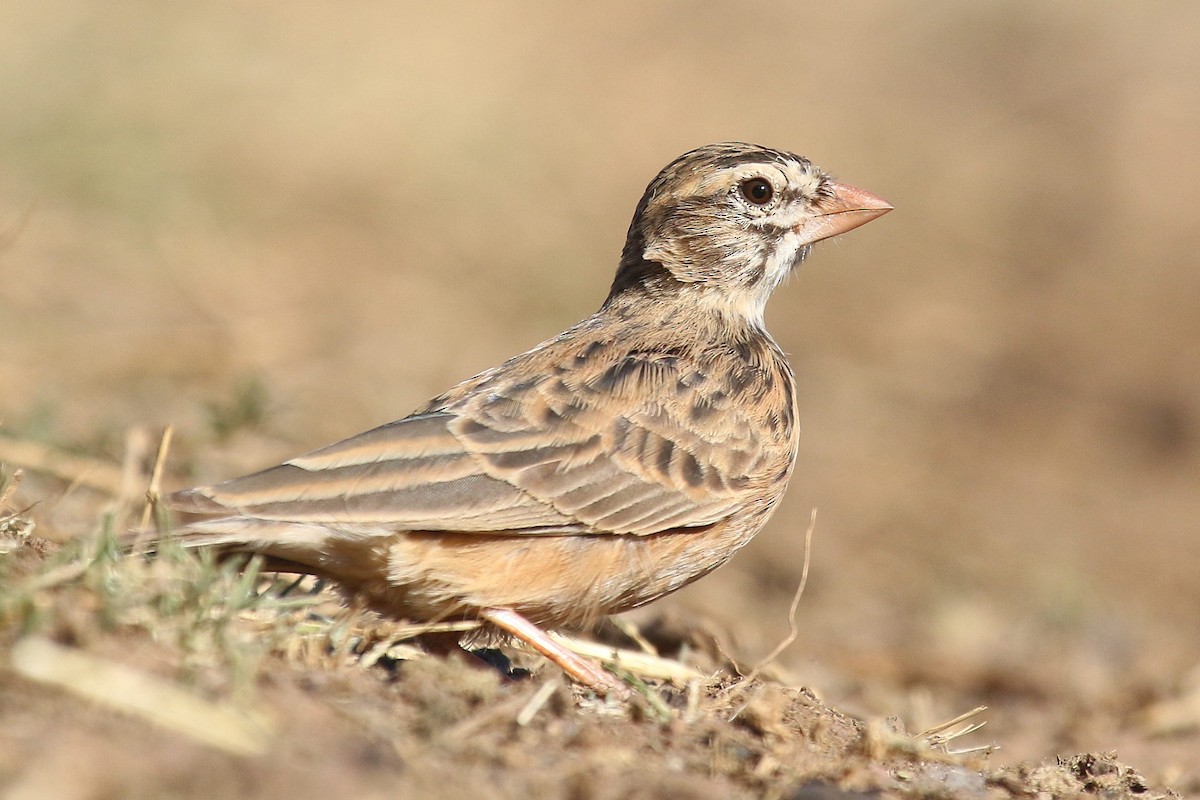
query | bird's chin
[798, 259]
[789, 255]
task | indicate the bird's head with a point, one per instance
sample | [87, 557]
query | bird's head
[732, 220]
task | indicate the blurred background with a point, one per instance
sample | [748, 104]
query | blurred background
[275, 225]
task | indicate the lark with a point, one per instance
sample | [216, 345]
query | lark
[631, 454]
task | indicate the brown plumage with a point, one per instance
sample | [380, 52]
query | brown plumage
[624, 458]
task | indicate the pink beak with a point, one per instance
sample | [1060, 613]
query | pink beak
[846, 210]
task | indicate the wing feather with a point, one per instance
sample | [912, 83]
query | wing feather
[631, 445]
[635, 443]
[407, 475]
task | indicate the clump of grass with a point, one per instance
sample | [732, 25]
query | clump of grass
[218, 619]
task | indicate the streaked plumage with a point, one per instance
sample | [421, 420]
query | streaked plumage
[609, 466]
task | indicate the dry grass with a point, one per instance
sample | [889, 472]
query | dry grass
[198, 652]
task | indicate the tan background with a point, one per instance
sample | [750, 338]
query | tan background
[358, 204]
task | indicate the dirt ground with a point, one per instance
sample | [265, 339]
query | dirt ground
[275, 228]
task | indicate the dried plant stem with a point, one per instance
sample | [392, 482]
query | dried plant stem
[793, 631]
[637, 662]
[153, 491]
[141, 695]
[76, 470]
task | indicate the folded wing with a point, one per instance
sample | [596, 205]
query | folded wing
[537, 456]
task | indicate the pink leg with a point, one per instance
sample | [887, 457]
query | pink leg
[579, 668]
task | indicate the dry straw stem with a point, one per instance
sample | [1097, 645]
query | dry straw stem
[539, 699]
[63, 573]
[153, 491]
[510, 709]
[76, 470]
[8, 487]
[141, 695]
[646, 665]
[629, 629]
[793, 629]
[939, 736]
[392, 644]
[879, 740]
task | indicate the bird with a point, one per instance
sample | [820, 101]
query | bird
[604, 468]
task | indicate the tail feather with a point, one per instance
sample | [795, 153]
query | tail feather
[351, 557]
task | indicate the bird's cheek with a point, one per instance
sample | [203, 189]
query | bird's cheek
[677, 258]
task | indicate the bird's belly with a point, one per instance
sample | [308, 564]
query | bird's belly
[552, 580]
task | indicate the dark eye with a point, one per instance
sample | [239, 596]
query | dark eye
[758, 191]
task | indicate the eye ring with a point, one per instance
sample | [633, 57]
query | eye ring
[757, 191]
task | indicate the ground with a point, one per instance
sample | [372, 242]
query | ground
[180, 677]
[274, 229]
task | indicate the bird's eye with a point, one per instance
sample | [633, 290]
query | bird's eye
[757, 191]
